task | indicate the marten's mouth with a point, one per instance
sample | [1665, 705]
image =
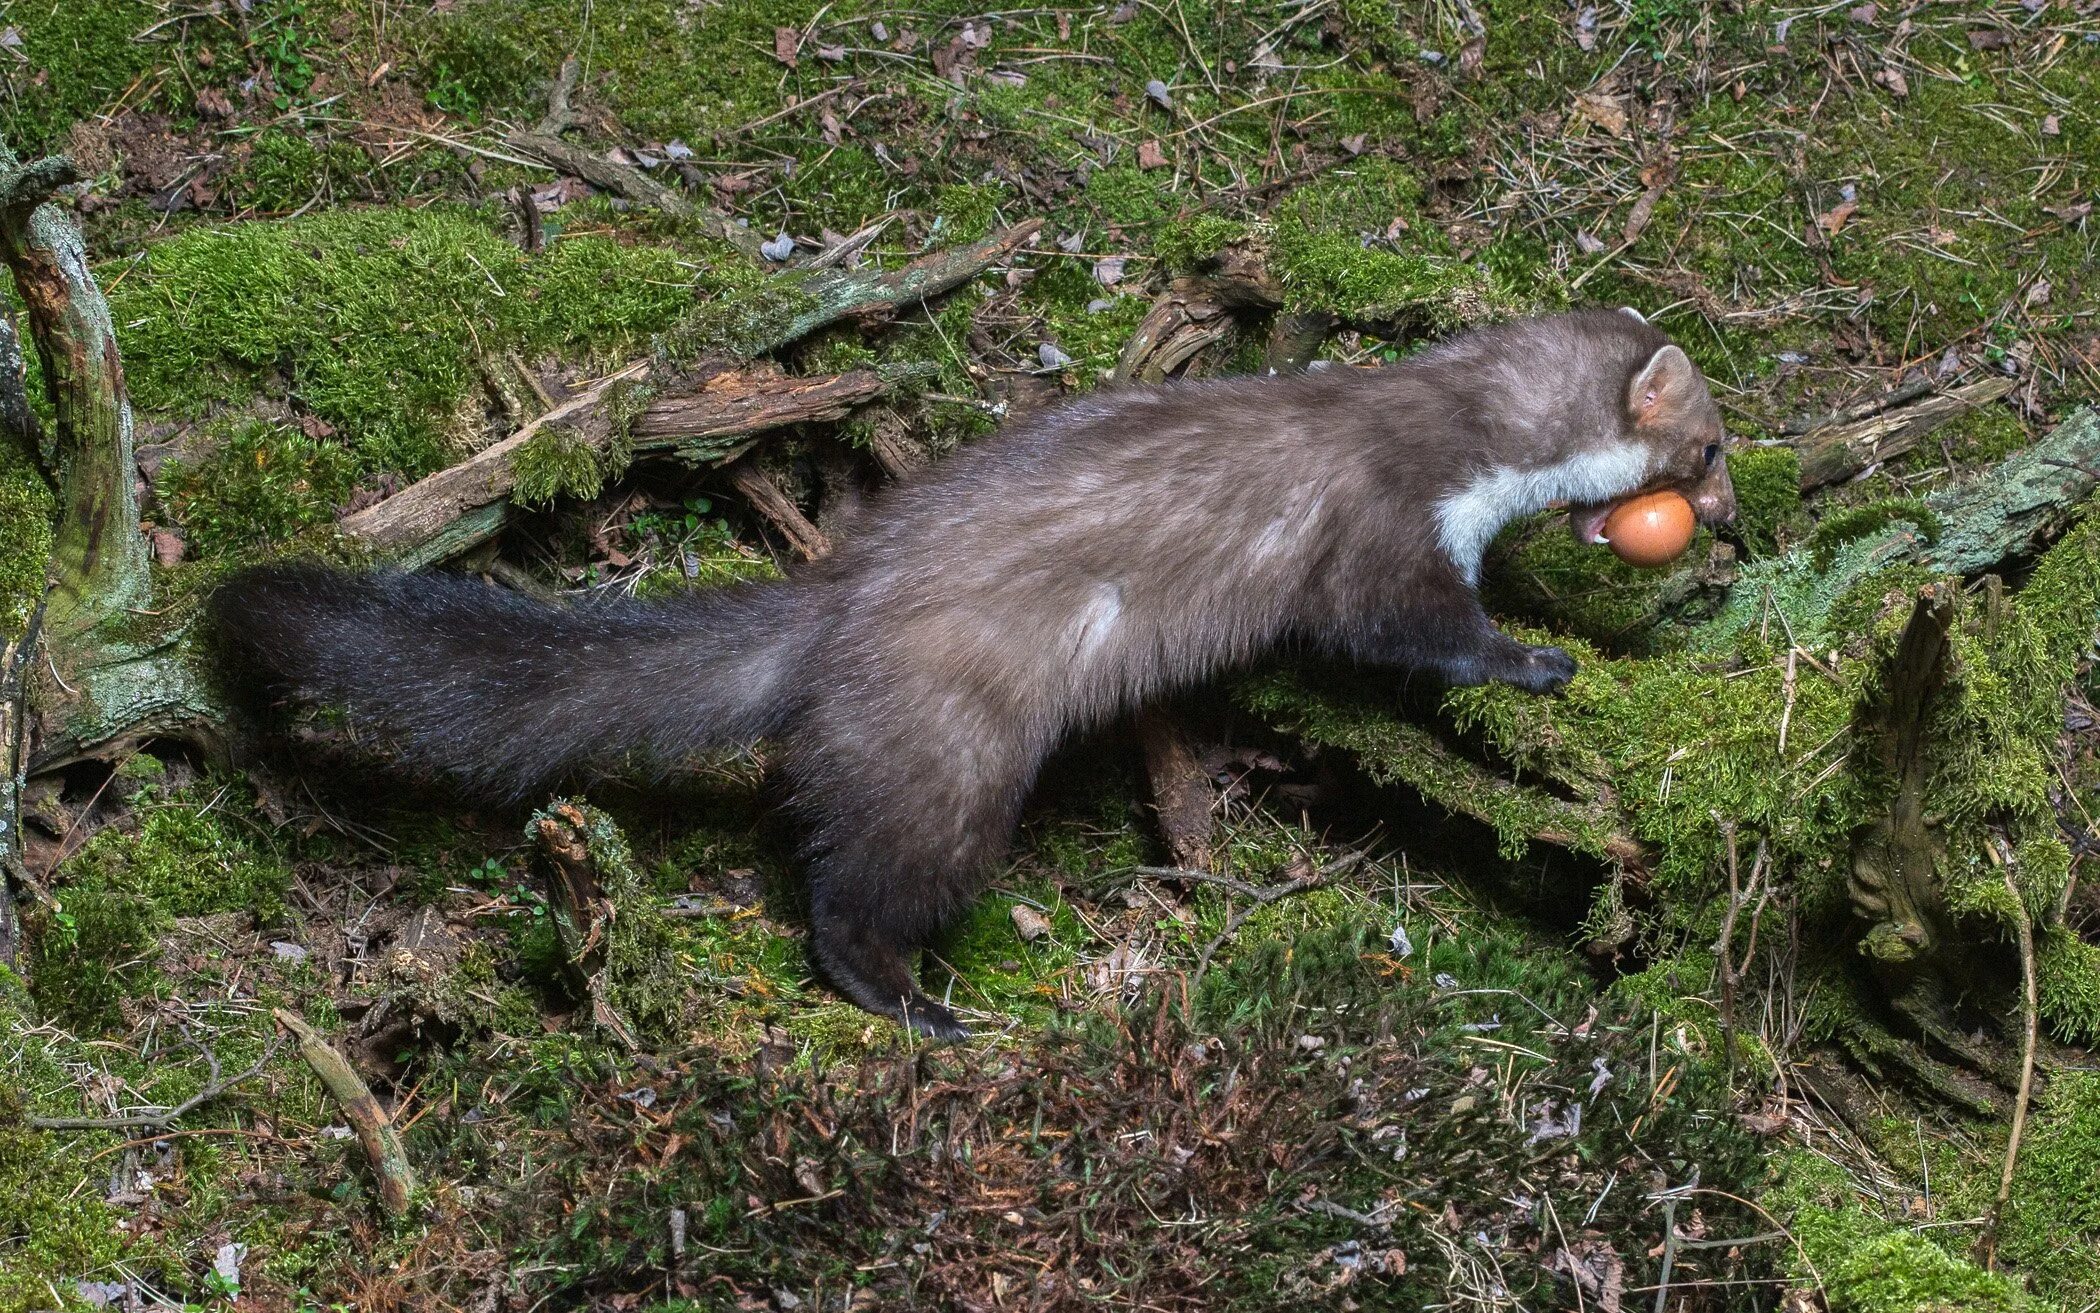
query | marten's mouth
[1587, 520]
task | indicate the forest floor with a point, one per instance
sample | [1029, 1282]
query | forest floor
[1403, 1084]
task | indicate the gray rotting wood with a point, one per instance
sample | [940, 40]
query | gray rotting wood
[1836, 452]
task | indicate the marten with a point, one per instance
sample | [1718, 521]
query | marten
[1102, 552]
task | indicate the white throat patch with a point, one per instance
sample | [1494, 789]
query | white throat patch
[1468, 518]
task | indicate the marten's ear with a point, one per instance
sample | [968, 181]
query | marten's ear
[1637, 315]
[1663, 387]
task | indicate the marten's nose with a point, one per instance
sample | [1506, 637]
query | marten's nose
[1714, 508]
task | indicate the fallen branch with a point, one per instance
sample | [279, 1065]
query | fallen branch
[1260, 898]
[374, 1127]
[417, 514]
[771, 501]
[1836, 452]
[166, 1117]
[459, 507]
[1181, 792]
[720, 421]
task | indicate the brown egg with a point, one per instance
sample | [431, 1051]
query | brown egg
[1651, 529]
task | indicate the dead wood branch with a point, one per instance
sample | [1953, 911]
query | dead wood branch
[415, 516]
[166, 1117]
[1192, 315]
[2020, 505]
[771, 501]
[2031, 1005]
[373, 1124]
[1305, 882]
[1836, 452]
[1181, 792]
[720, 421]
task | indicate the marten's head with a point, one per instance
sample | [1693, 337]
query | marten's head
[1669, 413]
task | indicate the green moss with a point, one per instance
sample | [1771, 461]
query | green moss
[557, 461]
[118, 894]
[1854, 523]
[1869, 1264]
[26, 509]
[2053, 1227]
[372, 319]
[1767, 493]
[260, 487]
[2069, 970]
[87, 55]
[51, 1233]
[1186, 245]
[286, 170]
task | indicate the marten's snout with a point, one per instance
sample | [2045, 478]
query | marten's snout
[1713, 497]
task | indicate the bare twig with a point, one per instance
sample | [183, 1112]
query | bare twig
[1260, 898]
[166, 1117]
[1988, 1242]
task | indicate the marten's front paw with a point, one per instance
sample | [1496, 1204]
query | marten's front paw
[1544, 670]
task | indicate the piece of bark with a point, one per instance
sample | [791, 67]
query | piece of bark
[362, 1109]
[1192, 315]
[771, 501]
[1181, 790]
[1836, 452]
[581, 910]
[1295, 338]
[894, 449]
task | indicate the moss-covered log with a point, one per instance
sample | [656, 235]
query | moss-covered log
[712, 414]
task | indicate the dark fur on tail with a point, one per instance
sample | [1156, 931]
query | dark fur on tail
[506, 695]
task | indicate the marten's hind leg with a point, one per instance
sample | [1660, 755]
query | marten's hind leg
[899, 845]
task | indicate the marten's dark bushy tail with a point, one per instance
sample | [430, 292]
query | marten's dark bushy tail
[505, 694]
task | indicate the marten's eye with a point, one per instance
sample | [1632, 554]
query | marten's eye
[1713, 453]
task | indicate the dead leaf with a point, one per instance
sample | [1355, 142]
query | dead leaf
[1586, 28]
[2052, 125]
[2072, 213]
[2039, 293]
[1832, 220]
[1989, 38]
[1892, 78]
[786, 42]
[213, 102]
[1150, 156]
[1607, 112]
[313, 426]
[1471, 56]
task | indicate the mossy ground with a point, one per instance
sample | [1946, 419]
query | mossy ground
[305, 227]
